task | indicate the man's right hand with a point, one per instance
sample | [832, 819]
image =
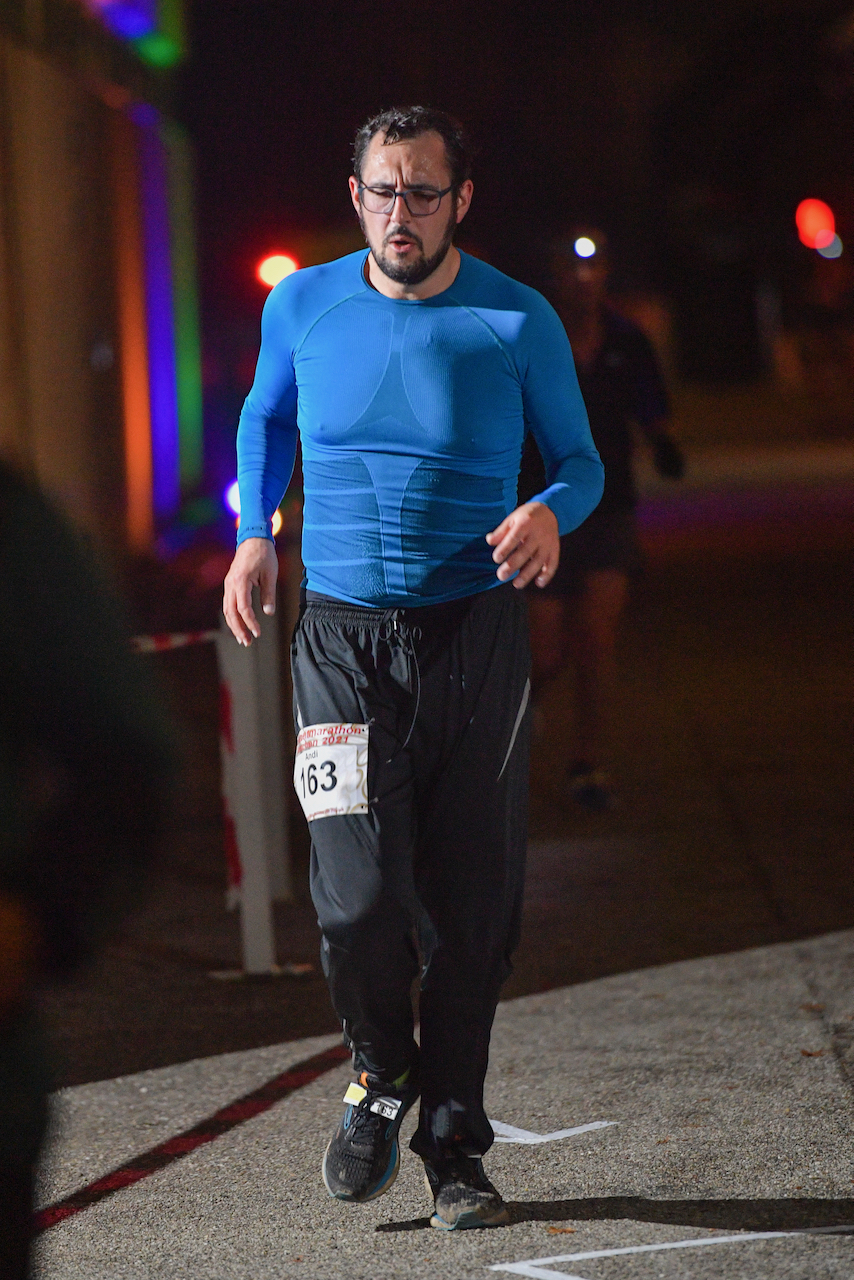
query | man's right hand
[255, 564]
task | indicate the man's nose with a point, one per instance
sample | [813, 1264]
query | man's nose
[399, 210]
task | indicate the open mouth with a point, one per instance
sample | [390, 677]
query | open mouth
[401, 243]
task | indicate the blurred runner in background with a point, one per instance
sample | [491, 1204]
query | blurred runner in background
[85, 764]
[576, 616]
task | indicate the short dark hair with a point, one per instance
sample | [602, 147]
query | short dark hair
[401, 123]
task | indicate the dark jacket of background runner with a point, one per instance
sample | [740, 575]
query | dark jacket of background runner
[623, 386]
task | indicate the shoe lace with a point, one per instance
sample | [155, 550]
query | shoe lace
[366, 1123]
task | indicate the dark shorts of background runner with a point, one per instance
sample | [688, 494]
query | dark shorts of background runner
[606, 541]
[433, 873]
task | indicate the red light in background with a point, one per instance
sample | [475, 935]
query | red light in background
[275, 267]
[816, 224]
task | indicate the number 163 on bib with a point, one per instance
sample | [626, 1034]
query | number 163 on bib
[331, 769]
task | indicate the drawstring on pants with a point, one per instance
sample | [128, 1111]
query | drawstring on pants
[390, 630]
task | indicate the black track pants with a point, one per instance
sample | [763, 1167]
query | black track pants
[438, 858]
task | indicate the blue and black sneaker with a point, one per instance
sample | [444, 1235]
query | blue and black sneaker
[362, 1160]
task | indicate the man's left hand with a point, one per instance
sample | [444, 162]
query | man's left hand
[527, 540]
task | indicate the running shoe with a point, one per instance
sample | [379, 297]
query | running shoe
[362, 1160]
[591, 788]
[463, 1196]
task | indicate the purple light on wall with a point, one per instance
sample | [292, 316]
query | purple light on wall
[160, 317]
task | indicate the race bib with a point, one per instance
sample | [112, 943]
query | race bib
[331, 769]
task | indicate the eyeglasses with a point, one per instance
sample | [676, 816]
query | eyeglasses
[420, 201]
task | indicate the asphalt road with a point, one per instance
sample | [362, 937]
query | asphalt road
[713, 1099]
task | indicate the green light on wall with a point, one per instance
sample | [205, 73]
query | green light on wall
[185, 304]
[158, 50]
[164, 47]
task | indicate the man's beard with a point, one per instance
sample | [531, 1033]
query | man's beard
[411, 272]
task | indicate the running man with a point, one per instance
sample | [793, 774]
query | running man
[410, 371]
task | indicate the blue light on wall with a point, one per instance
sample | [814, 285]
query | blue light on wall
[161, 318]
[129, 19]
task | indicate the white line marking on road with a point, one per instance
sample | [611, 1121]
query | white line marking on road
[534, 1268]
[509, 1132]
[536, 1273]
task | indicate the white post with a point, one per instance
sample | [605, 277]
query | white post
[275, 778]
[253, 786]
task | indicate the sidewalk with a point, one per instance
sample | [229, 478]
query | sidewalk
[726, 1083]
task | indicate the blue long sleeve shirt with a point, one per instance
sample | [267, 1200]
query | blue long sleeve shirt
[412, 416]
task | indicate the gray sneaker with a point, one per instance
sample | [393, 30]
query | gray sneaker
[463, 1196]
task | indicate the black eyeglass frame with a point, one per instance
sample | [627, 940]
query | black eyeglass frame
[363, 186]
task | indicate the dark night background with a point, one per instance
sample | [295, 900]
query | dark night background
[689, 132]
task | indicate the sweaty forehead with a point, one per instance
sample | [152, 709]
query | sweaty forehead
[420, 159]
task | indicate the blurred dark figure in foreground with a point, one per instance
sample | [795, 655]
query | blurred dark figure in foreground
[576, 617]
[85, 768]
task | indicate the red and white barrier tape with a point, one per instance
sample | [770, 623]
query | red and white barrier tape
[170, 640]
